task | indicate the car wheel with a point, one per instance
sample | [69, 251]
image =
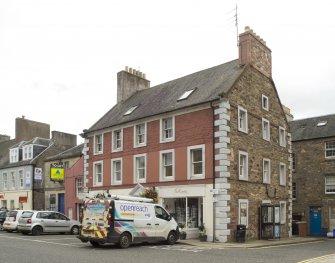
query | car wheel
[75, 230]
[9, 231]
[172, 238]
[125, 240]
[37, 230]
[95, 244]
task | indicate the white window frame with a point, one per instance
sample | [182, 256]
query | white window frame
[245, 176]
[162, 176]
[96, 144]
[266, 178]
[5, 182]
[331, 184]
[12, 180]
[27, 152]
[329, 149]
[114, 140]
[79, 185]
[95, 182]
[21, 179]
[265, 98]
[266, 130]
[190, 174]
[186, 94]
[14, 155]
[113, 175]
[245, 121]
[282, 174]
[136, 143]
[136, 177]
[282, 136]
[282, 212]
[243, 201]
[163, 139]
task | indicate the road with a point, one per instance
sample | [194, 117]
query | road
[18, 248]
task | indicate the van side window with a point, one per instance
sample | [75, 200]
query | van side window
[161, 213]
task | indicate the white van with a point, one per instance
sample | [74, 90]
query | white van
[125, 220]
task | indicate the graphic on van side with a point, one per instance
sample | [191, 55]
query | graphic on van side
[131, 211]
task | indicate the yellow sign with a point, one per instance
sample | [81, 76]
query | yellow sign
[57, 172]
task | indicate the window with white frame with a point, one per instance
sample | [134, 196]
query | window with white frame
[27, 152]
[266, 171]
[196, 161]
[140, 172]
[167, 165]
[186, 94]
[14, 155]
[243, 211]
[266, 129]
[282, 174]
[167, 129]
[282, 137]
[242, 119]
[294, 190]
[243, 165]
[21, 179]
[282, 212]
[79, 186]
[330, 149]
[98, 144]
[12, 180]
[4, 181]
[265, 102]
[117, 171]
[117, 140]
[140, 137]
[98, 173]
[330, 184]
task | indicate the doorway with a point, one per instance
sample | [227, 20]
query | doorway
[315, 221]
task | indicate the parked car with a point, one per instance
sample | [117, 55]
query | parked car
[38, 222]
[12, 218]
[2, 218]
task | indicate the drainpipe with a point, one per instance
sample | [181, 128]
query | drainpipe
[213, 134]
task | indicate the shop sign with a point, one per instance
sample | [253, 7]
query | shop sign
[57, 172]
[38, 174]
[23, 199]
[2, 196]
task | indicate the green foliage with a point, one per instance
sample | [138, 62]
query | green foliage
[151, 193]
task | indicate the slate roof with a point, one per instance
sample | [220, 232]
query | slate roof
[209, 84]
[69, 153]
[4, 151]
[307, 129]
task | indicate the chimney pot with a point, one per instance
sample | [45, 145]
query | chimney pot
[126, 68]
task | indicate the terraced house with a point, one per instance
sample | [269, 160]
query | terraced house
[214, 144]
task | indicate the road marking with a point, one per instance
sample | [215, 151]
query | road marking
[286, 245]
[317, 259]
[55, 239]
[41, 241]
[188, 248]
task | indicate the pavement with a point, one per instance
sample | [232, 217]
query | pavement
[253, 243]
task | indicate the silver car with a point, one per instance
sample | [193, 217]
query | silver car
[38, 222]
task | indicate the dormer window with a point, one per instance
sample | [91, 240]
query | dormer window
[14, 155]
[186, 94]
[27, 152]
[130, 111]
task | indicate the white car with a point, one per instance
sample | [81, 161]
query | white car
[12, 218]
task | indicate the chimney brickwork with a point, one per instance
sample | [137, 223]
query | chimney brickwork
[253, 50]
[26, 130]
[130, 81]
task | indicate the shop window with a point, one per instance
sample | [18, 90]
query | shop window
[187, 211]
[243, 212]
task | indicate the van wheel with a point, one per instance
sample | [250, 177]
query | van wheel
[124, 240]
[172, 238]
[75, 230]
[37, 230]
[95, 244]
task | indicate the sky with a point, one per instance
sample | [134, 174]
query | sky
[59, 58]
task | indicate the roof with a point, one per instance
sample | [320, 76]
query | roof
[4, 151]
[313, 128]
[69, 153]
[208, 85]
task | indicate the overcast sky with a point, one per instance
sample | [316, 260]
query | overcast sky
[59, 58]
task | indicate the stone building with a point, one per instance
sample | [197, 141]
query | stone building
[214, 144]
[313, 143]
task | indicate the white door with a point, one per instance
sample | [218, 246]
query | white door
[162, 222]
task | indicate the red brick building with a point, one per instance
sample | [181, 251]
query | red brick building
[214, 144]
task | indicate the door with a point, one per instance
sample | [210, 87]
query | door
[61, 203]
[315, 221]
[162, 223]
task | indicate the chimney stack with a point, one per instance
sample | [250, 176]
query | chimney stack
[253, 50]
[130, 81]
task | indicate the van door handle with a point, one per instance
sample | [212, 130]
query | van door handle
[156, 224]
[148, 224]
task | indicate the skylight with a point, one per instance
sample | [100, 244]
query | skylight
[130, 110]
[186, 94]
[321, 123]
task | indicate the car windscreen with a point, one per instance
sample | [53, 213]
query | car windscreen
[12, 213]
[27, 214]
[95, 209]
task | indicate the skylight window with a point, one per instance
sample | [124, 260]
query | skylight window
[130, 110]
[186, 94]
[321, 123]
